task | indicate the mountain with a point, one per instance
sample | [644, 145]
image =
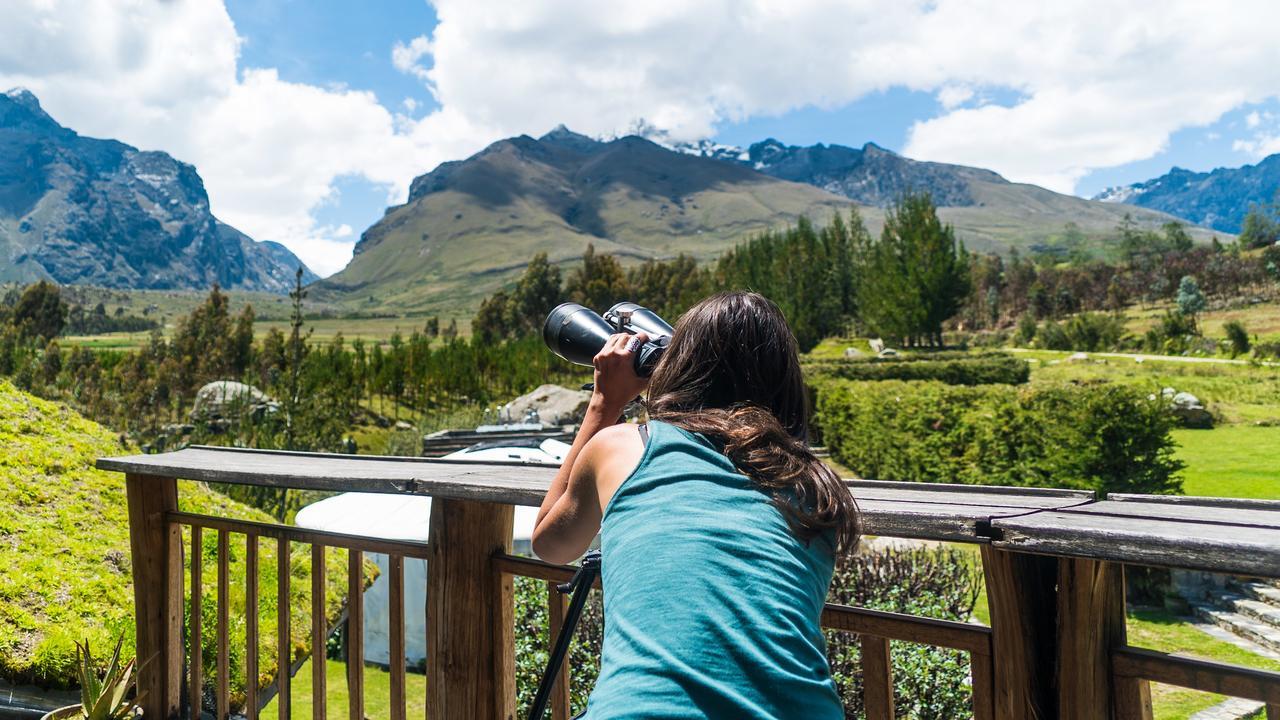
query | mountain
[470, 226]
[100, 212]
[1218, 199]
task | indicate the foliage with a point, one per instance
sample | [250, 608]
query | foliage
[966, 370]
[1088, 332]
[598, 283]
[915, 277]
[936, 583]
[65, 532]
[103, 696]
[97, 321]
[1237, 337]
[40, 312]
[532, 628]
[1104, 437]
[1261, 227]
[1190, 300]
[521, 312]
[1173, 335]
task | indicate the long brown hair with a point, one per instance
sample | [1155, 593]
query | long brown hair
[732, 373]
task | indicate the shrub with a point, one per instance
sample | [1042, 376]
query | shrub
[1237, 337]
[963, 370]
[1103, 437]
[532, 645]
[1173, 335]
[1089, 332]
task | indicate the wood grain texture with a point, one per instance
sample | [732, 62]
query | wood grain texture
[556, 607]
[982, 674]
[395, 620]
[284, 647]
[156, 551]
[1021, 595]
[355, 634]
[877, 677]
[910, 628]
[251, 626]
[1203, 675]
[471, 663]
[302, 535]
[1091, 623]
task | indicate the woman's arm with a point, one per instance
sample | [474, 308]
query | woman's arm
[570, 514]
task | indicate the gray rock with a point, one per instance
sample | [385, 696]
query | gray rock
[852, 353]
[1188, 409]
[227, 399]
[554, 405]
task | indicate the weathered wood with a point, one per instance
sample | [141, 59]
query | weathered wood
[1198, 501]
[251, 626]
[1203, 675]
[1133, 698]
[1212, 547]
[395, 593]
[556, 607]
[982, 676]
[406, 548]
[535, 568]
[1091, 623]
[355, 634]
[1273, 711]
[471, 667]
[1020, 592]
[877, 677]
[284, 646]
[897, 626]
[222, 696]
[1193, 514]
[319, 633]
[196, 621]
[156, 550]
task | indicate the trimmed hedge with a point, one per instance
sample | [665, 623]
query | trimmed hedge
[963, 370]
[1103, 437]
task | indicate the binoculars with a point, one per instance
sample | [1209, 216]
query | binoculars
[577, 333]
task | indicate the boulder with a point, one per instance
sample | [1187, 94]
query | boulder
[851, 353]
[224, 399]
[1188, 409]
[553, 404]
[1078, 357]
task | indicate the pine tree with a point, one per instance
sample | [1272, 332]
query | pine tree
[598, 283]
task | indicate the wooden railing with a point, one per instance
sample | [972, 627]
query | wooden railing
[1052, 561]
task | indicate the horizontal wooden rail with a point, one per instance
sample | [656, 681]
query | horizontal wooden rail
[303, 535]
[1203, 675]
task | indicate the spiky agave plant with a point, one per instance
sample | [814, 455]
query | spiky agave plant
[102, 697]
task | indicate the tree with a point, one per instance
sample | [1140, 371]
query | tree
[492, 322]
[1261, 227]
[295, 353]
[1176, 237]
[536, 293]
[598, 283]
[40, 311]
[1237, 337]
[1191, 301]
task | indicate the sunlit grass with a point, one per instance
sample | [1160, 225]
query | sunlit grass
[377, 693]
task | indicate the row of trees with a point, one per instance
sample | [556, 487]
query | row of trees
[904, 284]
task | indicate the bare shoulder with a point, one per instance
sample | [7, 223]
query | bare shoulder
[615, 439]
[611, 455]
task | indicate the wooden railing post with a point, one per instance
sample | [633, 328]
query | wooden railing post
[1021, 593]
[470, 613]
[156, 549]
[1091, 623]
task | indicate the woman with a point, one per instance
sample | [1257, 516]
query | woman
[718, 530]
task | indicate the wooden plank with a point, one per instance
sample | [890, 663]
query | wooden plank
[1162, 543]
[395, 586]
[1188, 513]
[251, 626]
[1203, 675]
[471, 671]
[877, 677]
[1133, 698]
[892, 486]
[975, 639]
[222, 696]
[355, 634]
[1091, 623]
[196, 691]
[302, 535]
[1199, 501]
[319, 634]
[556, 607]
[981, 674]
[284, 647]
[535, 568]
[1021, 594]
[156, 551]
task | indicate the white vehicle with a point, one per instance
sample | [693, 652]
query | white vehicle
[408, 517]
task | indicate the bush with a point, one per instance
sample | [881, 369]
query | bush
[963, 370]
[1237, 337]
[1173, 335]
[1088, 332]
[532, 645]
[929, 682]
[1103, 437]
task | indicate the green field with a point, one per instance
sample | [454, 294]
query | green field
[377, 693]
[1231, 461]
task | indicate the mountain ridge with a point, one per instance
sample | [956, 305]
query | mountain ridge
[1219, 198]
[95, 211]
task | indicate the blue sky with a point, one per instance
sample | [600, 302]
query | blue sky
[325, 43]
[306, 119]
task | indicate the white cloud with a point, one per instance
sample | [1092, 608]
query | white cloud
[1252, 119]
[1089, 93]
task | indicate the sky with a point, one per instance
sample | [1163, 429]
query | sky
[307, 119]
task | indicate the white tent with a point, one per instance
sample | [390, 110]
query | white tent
[408, 517]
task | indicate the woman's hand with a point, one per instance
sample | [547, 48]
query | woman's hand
[616, 382]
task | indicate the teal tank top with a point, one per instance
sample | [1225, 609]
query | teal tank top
[711, 604]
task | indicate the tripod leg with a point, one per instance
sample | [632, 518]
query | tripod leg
[582, 588]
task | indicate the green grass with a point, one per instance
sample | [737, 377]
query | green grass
[377, 692]
[1231, 461]
[1162, 631]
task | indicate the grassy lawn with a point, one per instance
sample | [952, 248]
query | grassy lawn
[377, 693]
[1231, 461]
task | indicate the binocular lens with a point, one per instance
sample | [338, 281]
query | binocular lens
[576, 333]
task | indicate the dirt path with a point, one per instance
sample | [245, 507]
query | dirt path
[1142, 357]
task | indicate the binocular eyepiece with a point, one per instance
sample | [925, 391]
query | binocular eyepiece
[577, 333]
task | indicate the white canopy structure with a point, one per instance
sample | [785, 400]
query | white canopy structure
[408, 517]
